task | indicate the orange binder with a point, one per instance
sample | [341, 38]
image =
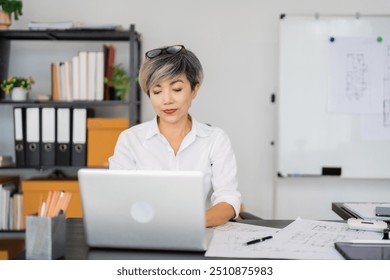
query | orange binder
[102, 136]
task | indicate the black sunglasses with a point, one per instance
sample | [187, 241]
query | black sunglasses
[167, 50]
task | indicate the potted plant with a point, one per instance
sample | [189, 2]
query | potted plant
[7, 8]
[120, 81]
[18, 86]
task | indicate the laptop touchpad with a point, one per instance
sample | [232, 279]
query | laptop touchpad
[142, 212]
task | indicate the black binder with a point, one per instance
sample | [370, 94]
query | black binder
[79, 136]
[48, 135]
[63, 137]
[19, 133]
[32, 137]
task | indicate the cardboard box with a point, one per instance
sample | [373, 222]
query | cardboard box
[102, 137]
[33, 189]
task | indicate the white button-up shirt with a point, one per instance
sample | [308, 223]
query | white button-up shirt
[204, 148]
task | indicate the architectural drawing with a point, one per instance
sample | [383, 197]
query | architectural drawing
[356, 76]
[386, 89]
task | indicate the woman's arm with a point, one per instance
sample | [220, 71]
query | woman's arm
[219, 214]
[226, 199]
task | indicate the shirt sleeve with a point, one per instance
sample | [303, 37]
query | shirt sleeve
[224, 173]
[122, 157]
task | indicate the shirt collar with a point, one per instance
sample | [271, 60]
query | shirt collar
[153, 129]
[197, 129]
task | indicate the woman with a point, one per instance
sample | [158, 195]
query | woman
[173, 140]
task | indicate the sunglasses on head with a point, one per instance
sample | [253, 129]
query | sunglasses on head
[167, 50]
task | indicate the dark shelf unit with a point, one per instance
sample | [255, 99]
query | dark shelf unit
[131, 36]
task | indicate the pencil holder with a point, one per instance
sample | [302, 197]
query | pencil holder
[45, 237]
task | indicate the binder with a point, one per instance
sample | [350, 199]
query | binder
[32, 137]
[48, 128]
[62, 153]
[79, 137]
[19, 132]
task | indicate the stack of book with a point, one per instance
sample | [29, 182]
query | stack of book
[11, 205]
[82, 77]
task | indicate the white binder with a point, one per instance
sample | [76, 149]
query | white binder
[63, 137]
[48, 127]
[32, 137]
[79, 136]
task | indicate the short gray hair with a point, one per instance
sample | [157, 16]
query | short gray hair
[169, 66]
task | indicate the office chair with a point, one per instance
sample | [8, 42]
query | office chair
[244, 215]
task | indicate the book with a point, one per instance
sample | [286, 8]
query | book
[91, 76]
[62, 85]
[7, 189]
[75, 78]
[99, 76]
[68, 81]
[55, 86]
[83, 73]
[18, 215]
[109, 61]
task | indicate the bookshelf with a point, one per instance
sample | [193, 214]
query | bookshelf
[130, 108]
[13, 241]
[131, 36]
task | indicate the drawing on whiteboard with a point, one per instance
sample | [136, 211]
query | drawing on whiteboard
[386, 89]
[356, 76]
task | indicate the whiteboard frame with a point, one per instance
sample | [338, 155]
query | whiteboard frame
[309, 137]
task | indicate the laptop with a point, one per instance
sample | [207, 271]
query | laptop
[134, 209]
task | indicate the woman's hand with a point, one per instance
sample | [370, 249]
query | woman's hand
[219, 214]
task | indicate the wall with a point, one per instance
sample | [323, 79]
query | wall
[237, 42]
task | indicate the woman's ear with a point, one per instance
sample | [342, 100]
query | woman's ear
[195, 91]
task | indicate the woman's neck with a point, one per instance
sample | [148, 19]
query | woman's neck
[179, 129]
[175, 132]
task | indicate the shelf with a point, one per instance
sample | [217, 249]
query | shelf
[12, 234]
[67, 103]
[130, 35]
[68, 35]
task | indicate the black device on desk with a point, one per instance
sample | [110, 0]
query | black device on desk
[382, 211]
[364, 251]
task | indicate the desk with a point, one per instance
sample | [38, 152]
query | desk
[77, 249]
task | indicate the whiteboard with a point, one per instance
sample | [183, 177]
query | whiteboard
[310, 136]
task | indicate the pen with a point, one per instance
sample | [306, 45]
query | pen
[258, 240]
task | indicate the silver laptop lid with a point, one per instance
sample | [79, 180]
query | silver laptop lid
[143, 209]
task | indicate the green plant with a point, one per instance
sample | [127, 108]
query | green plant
[9, 84]
[12, 7]
[120, 81]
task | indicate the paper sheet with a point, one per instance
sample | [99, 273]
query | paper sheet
[228, 240]
[302, 239]
[356, 75]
